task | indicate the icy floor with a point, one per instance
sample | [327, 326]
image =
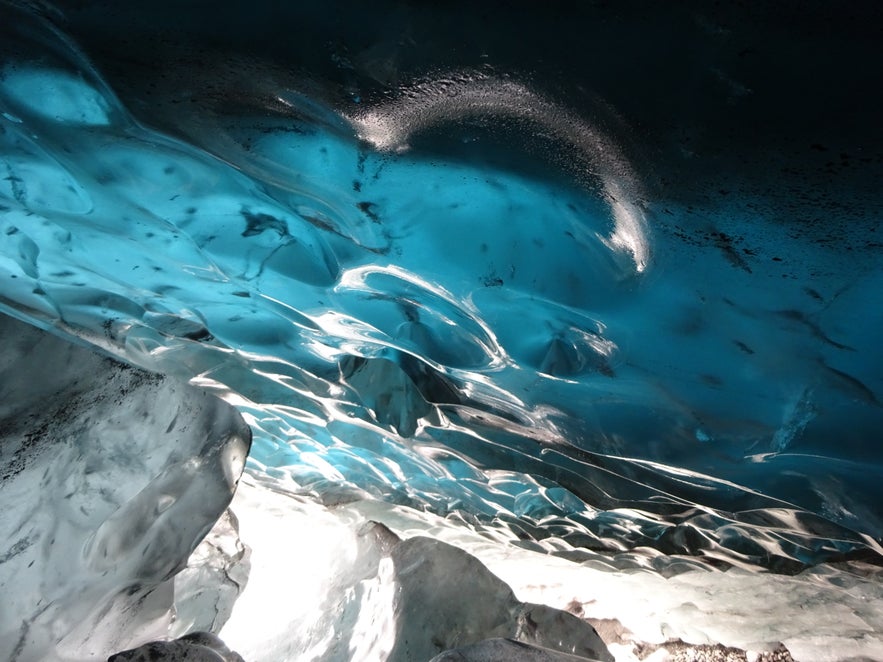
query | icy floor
[300, 550]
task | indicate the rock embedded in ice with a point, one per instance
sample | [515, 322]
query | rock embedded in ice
[342, 607]
[547, 627]
[110, 476]
[676, 650]
[446, 598]
[355, 590]
[505, 650]
[194, 647]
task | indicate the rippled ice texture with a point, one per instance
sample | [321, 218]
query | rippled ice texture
[529, 342]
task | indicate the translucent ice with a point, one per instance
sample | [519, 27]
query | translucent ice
[110, 477]
[344, 606]
[462, 281]
[522, 335]
[356, 591]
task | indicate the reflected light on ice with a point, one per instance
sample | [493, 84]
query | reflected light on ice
[464, 331]
[320, 551]
[428, 104]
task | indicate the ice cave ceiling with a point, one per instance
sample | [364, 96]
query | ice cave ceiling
[595, 278]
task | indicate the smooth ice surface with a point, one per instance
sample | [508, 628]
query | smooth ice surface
[109, 477]
[460, 287]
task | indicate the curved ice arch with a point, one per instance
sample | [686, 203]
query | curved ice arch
[425, 105]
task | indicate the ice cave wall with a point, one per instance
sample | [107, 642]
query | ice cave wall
[547, 345]
[614, 291]
[110, 478]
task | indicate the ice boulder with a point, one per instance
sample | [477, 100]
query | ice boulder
[446, 598]
[195, 647]
[110, 476]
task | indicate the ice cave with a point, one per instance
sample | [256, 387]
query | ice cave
[403, 331]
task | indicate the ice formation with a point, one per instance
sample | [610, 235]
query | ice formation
[110, 478]
[826, 614]
[453, 278]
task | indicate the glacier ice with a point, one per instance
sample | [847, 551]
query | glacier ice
[114, 476]
[360, 591]
[437, 333]
[630, 323]
[344, 606]
[215, 576]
